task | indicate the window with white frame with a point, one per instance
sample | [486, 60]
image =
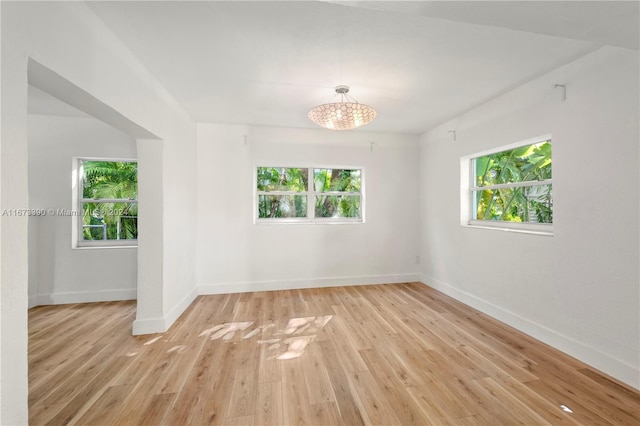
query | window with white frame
[511, 187]
[307, 194]
[107, 202]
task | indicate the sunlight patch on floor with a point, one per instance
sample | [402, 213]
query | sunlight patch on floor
[225, 331]
[566, 409]
[155, 339]
[305, 329]
[179, 349]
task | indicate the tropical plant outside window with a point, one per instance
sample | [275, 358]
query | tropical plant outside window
[108, 202]
[295, 194]
[514, 185]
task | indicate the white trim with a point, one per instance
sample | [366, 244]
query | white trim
[307, 221]
[162, 324]
[101, 244]
[272, 285]
[82, 297]
[78, 202]
[614, 367]
[108, 247]
[468, 191]
[545, 229]
[149, 326]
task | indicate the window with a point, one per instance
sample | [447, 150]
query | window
[511, 188]
[325, 195]
[107, 202]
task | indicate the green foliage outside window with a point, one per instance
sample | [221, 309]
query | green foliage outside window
[527, 201]
[110, 194]
[337, 180]
[282, 179]
[283, 192]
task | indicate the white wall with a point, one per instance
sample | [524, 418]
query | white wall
[577, 290]
[236, 255]
[69, 39]
[58, 273]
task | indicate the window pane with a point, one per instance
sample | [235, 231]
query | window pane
[527, 163]
[337, 206]
[342, 180]
[109, 221]
[277, 206]
[110, 179]
[282, 179]
[532, 204]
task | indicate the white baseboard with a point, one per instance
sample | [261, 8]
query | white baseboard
[162, 324]
[82, 297]
[614, 367]
[250, 286]
[149, 326]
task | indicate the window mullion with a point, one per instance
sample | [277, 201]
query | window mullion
[339, 193]
[109, 200]
[280, 192]
[311, 199]
[512, 185]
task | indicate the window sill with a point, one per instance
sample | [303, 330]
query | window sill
[263, 222]
[82, 247]
[545, 230]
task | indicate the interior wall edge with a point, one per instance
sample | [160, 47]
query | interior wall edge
[606, 364]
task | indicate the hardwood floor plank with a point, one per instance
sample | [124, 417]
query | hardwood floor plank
[342, 338]
[105, 409]
[371, 400]
[86, 392]
[516, 409]
[582, 413]
[243, 398]
[592, 394]
[619, 390]
[403, 369]
[208, 383]
[394, 387]
[430, 405]
[326, 414]
[49, 381]
[379, 354]
[155, 412]
[295, 401]
[552, 413]
[316, 376]
[240, 421]
[351, 328]
[347, 408]
[269, 404]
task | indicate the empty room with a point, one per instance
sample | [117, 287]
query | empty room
[320, 212]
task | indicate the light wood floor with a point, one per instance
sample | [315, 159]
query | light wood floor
[382, 354]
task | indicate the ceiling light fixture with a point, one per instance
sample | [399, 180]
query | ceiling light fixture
[344, 115]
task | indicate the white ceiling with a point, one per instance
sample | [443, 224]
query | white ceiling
[418, 63]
